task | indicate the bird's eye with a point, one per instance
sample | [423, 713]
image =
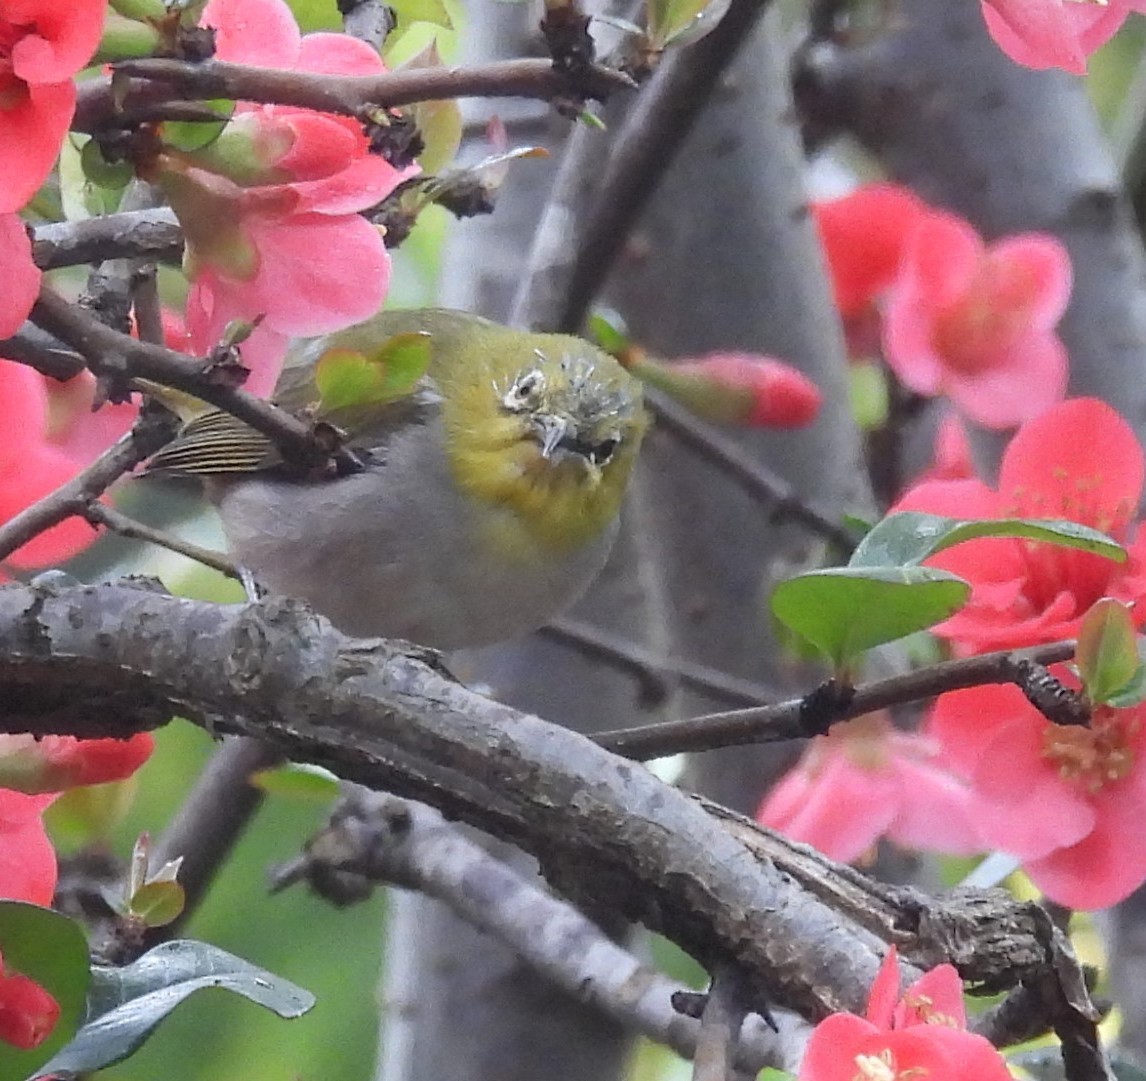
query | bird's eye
[525, 392]
[603, 451]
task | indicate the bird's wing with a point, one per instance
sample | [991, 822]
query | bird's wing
[213, 443]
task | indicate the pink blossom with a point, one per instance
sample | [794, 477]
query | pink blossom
[43, 43]
[1079, 461]
[865, 780]
[1055, 33]
[924, 1034]
[31, 468]
[1066, 800]
[21, 277]
[863, 235]
[27, 859]
[54, 763]
[976, 322]
[294, 253]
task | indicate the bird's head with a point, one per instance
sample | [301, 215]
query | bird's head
[550, 429]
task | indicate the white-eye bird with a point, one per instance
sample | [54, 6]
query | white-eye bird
[490, 492]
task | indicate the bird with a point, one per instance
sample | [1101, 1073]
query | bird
[489, 493]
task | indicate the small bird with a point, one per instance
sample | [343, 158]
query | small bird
[489, 496]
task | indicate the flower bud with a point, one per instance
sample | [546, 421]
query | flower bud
[737, 388]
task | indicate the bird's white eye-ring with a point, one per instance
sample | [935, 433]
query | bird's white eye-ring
[525, 391]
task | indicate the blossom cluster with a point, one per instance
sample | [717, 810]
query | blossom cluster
[951, 315]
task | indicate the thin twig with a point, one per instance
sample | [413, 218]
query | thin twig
[119, 356]
[98, 514]
[78, 494]
[723, 1016]
[785, 720]
[760, 482]
[651, 669]
[348, 94]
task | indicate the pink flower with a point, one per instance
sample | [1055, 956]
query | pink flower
[864, 234]
[55, 763]
[31, 468]
[922, 1035]
[1055, 33]
[43, 43]
[27, 859]
[1079, 461]
[865, 780]
[21, 277]
[1066, 800]
[976, 322]
[293, 252]
[27, 1012]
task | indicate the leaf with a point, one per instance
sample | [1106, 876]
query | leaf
[51, 949]
[422, 11]
[846, 610]
[298, 781]
[438, 122]
[910, 537]
[681, 22]
[607, 328]
[346, 377]
[1107, 653]
[157, 903]
[126, 1004]
[189, 135]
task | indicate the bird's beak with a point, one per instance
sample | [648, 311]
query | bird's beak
[552, 429]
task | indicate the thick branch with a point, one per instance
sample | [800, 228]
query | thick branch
[153, 234]
[113, 659]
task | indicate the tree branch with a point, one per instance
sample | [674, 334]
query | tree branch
[113, 659]
[352, 95]
[791, 720]
[384, 839]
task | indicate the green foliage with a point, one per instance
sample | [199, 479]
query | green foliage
[346, 378]
[844, 611]
[51, 949]
[1107, 654]
[191, 135]
[126, 1004]
[299, 781]
[681, 22]
[884, 593]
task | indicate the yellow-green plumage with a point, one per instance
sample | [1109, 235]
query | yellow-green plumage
[490, 495]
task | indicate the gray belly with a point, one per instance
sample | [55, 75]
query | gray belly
[378, 556]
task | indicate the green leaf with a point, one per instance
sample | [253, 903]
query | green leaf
[867, 387]
[346, 377]
[681, 22]
[298, 781]
[910, 537]
[49, 948]
[189, 135]
[439, 122]
[607, 328]
[157, 903]
[1107, 653]
[846, 610]
[422, 11]
[126, 1004]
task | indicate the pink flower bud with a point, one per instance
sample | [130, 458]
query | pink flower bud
[738, 388]
[27, 1012]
